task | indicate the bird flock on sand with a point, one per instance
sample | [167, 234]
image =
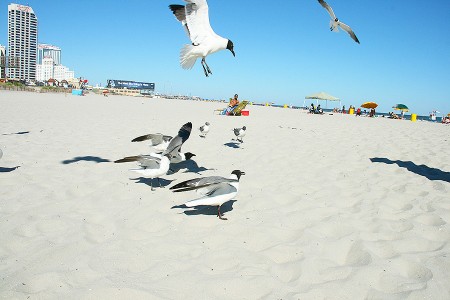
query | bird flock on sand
[194, 18]
[214, 190]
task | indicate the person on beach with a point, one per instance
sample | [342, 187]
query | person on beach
[312, 109]
[234, 102]
[343, 109]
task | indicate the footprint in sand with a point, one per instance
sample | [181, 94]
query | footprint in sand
[401, 276]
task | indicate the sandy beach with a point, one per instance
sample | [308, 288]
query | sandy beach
[331, 206]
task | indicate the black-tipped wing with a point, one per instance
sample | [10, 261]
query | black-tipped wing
[349, 31]
[175, 144]
[145, 161]
[328, 8]
[206, 184]
[156, 138]
[180, 13]
[237, 131]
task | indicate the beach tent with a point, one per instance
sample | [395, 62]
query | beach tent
[322, 96]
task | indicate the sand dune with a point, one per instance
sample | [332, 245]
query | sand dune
[331, 206]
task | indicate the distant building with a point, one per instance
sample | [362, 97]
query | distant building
[22, 42]
[49, 70]
[2, 61]
[46, 50]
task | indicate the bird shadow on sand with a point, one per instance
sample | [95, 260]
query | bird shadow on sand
[20, 132]
[206, 209]
[153, 181]
[85, 158]
[233, 145]
[190, 166]
[422, 170]
[7, 170]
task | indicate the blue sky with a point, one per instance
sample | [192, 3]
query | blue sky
[284, 50]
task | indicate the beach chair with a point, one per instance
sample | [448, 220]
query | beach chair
[238, 110]
[235, 112]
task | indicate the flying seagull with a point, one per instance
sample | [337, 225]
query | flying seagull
[158, 141]
[204, 129]
[174, 148]
[195, 20]
[240, 133]
[335, 23]
[215, 190]
[151, 166]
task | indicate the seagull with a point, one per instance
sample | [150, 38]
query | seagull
[335, 23]
[159, 141]
[215, 190]
[204, 129]
[240, 133]
[204, 41]
[174, 148]
[151, 166]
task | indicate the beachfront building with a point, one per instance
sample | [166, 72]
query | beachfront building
[2, 61]
[46, 50]
[49, 70]
[22, 42]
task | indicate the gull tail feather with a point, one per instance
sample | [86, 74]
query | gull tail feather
[187, 60]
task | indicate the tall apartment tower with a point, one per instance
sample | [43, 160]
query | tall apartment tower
[22, 41]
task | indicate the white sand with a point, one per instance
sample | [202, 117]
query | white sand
[315, 218]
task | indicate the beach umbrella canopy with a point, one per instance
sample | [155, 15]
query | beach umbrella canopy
[401, 107]
[369, 105]
[322, 96]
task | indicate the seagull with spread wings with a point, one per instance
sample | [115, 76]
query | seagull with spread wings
[335, 23]
[194, 17]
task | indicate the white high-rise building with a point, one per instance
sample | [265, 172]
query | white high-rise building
[22, 41]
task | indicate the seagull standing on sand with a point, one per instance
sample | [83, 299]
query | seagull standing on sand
[240, 133]
[335, 23]
[151, 166]
[158, 141]
[215, 190]
[195, 19]
[204, 129]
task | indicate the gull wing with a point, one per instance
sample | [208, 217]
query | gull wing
[180, 13]
[217, 189]
[328, 8]
[349, 31]
[237, 131]
[197, 18]
[145, 161]
[175, 144]
[156, 138]
[204, 185]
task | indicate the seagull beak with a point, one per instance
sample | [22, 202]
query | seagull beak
[242, 173]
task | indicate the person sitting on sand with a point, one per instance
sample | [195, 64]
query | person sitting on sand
[234, 102]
